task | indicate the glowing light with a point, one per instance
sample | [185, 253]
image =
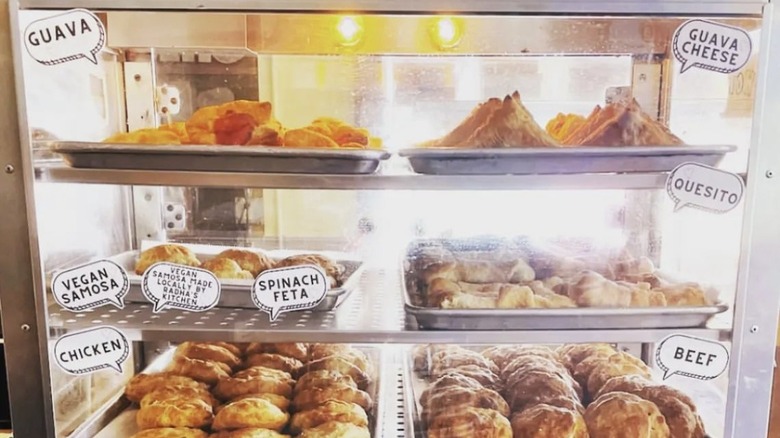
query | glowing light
[447, 32]
[350, 30]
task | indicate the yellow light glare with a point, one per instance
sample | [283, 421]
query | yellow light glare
[447, 32]
[350, 30]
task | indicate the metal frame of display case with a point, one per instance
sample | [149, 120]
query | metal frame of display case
[26, 318]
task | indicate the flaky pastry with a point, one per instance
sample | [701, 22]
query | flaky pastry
[545, 421]
[205, 351]
[331, 410]
[250, 412]
[151, 136]
[343, 363]
[298, 350]
[335, 429]
[226, 268]
[171, 432]
[455, 398]
[262, 380]
[624, 415]
[170, 253]
[310, 398]
[470, 423]
[193, 413]
[205, 371]
[249, 432]
[142, 384]
[250, 261]
[275, 361]
[323, 379]
[277, 400]
[176, 393]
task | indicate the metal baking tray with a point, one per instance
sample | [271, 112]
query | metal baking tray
[235, 293]
[220, 158]
[116, 419]
[578, 318]
[533, 161]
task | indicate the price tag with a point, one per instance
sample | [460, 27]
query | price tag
[691, 357]
[704, 187]
[711, 46]
[65, 37]
[91, 285]
[277, 291]
[90, 350]
[170, 286]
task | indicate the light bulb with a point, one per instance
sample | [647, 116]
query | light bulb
[350, 30]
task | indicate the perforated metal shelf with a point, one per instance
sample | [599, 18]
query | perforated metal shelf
[372, 314]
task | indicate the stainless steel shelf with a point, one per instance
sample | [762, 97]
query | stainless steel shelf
[528, 6]
[373, 314]
[379, 181]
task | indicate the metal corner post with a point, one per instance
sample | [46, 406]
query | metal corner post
[758, 297]
[23, 315]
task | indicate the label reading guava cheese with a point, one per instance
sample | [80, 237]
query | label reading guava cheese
[711, 46]
[91, 350]
[277, 291]
[170, 286]
[91, 285]
[691, 357]
[65, 37]
[704, 187]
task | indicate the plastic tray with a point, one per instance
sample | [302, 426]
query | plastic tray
[236, 293]
[220, 158]
[531, 161]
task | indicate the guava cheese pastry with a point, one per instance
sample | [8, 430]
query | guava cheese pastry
[212, 352]
[226, 269]
[331, 410]
[249, 432]
[335, 429]
[248, 260]
[250, 412]
[193, 413]
[171, 432]
[170, 253]
[201, 125]
[142, 384]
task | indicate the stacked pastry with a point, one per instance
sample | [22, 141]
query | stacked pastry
[250, 391]
[250, 123]
[512, 278]
[545, 391]
[235, 263]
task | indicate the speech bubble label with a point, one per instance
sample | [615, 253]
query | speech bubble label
[278, 291]
[91, 285]
[711, 46]
[90, 350]
[65, 37]
[706, 188]
[692, 357]
[171, 286]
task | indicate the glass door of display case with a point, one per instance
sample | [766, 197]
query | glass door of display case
[389, 220]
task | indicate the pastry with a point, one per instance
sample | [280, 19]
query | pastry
[275, 361]
[171, 432]
[205, 371]
[308, 138]
[170, 253]
[449, 380]
[572, 354]
[310, 398]
[261, 380]
[299, 351]
[684, 294]
[234, 347]
[463, 131]
[331, 410]
[323, 379]
[248, 260]
[333, 270]
[277, 400]
[516, 270]
[484, 376]
[145, 136]
[591, 289]
[545, 421]
[562, 125]
[142, 384]
[521, 366]
[235, 122]
[177, 392]
[249, 432]
[538, 386]
[194, 413]
[334, 429]
[341, 363]
[205, 351]
[502, 355]
[226, 269]
[446, 359]
[613, 367]
[455, 398]
[250, 412]
[470, 423]
[624, 415]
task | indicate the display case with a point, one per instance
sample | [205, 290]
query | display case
[389, 219]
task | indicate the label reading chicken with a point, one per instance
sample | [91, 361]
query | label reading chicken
[91, 285]
[70, 36]
[704, 187]
[277, 291]
[711, 46]
[90, 350]
[692, 357]
[171, 286]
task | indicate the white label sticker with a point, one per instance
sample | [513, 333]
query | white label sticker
[91, 350]
[704, 187]
[691, 357]
[711, 46]
[65, 37]
[91, 285]
[170, 286]
[283, 290]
